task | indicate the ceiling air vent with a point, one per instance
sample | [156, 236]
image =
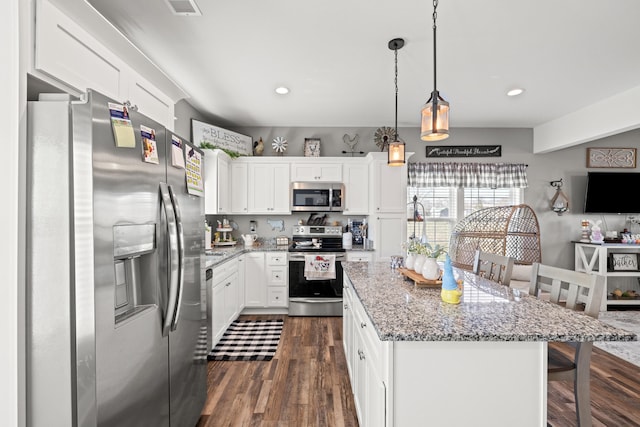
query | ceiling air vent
[184, 7]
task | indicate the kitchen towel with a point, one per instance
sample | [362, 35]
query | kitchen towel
[319, 267]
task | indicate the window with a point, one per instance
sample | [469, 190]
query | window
[438, 209]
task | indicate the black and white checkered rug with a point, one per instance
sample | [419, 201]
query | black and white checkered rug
[249, 340]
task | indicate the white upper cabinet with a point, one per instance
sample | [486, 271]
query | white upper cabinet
[356, 188]
[269, 188]
[68, 56]
[313, 171]
[389, 188]
[239, 187]
[216, 182]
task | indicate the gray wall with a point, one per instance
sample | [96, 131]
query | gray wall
[557, 231]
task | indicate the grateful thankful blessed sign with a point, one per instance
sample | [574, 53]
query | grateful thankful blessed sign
[465, 151]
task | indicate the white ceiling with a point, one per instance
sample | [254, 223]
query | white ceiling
[334, 57]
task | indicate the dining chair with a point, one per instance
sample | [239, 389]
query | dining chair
[496, 268]
[576, 291]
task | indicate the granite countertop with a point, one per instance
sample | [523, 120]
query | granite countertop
[488, 312]
[224, 253]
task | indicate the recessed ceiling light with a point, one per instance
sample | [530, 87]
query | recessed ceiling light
[281, 90]
[515, 92]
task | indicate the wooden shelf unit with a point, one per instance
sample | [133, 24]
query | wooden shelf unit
[593, 258]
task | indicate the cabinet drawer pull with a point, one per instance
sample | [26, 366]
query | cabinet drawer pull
[362, 324]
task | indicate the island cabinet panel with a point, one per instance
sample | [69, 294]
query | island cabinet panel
[366, 362]
[461, 383]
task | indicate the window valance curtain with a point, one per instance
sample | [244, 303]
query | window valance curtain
[475, 175]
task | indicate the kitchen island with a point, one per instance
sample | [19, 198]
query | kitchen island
[415, 360]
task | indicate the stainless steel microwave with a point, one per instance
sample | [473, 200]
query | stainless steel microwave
[317, 196]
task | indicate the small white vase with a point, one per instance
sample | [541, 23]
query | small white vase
[430, 269]
[417, 264]
[408, 263]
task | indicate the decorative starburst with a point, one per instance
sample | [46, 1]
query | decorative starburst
[279, 145]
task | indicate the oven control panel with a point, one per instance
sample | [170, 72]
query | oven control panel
[317, 230]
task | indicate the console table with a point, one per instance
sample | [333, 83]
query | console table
[595, 258]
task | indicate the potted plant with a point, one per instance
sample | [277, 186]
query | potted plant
[430, 269]
[412, 250]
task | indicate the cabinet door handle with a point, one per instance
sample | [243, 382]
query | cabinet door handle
[363, 325]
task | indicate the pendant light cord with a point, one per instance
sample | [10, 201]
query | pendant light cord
[435, 16]
[396, 84]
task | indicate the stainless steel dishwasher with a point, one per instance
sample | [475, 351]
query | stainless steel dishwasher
[206, 305]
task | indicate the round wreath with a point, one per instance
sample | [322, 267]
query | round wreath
[383, 136]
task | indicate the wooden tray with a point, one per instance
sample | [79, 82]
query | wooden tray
[419, 279]
[233, 243]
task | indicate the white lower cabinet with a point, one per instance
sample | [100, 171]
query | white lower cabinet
[241, 283]
[366, 361]
[255, 286]
[225, 305]
[277, 271]
[266, 279]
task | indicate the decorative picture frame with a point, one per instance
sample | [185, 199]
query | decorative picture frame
[611, 157]
[312, 147]
[623, 261]
[205, 135]
[463, 151]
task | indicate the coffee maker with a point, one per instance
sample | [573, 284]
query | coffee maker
[355, 227]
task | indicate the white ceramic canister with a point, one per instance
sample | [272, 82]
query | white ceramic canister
[430, 269]
[418, 263]
[347, 240]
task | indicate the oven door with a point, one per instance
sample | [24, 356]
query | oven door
[314, 297]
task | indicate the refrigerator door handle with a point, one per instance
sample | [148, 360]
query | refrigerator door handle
[174, 261]
[176, 209]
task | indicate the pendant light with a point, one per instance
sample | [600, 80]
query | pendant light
[396, 148]
[435, 113]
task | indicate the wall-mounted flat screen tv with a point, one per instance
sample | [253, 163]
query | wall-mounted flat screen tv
[612, 193]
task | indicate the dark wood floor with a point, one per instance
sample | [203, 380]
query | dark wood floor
[306, 384]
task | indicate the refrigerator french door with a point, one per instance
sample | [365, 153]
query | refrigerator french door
[115, 247]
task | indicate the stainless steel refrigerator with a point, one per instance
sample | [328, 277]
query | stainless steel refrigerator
[115, 247]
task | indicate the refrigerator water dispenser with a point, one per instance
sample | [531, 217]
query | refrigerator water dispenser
[133, 248]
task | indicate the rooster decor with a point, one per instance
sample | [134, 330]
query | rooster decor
[258, 147]
[351, 143]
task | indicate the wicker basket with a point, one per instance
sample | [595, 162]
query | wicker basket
[505, 230]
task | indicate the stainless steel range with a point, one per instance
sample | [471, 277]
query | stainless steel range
[312, 296]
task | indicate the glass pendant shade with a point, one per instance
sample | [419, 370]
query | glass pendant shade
[396, 154]
[435, 129]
